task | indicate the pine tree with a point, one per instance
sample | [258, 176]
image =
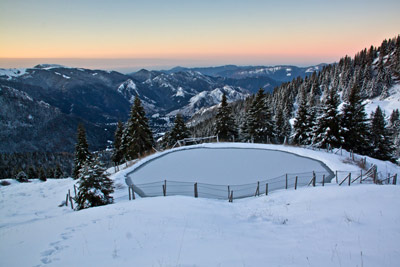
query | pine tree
[394, 129]
[301, 130]
[354, 123]
[32, 172]
[381, 145]
[50, 173]
[259, 126]
[118, 153]
[327, 132]
[95, 187]
[312, 114]
[58, 173]
[82, 154]
[137, 137]
[22, 177]
[178, 132]
[225, 127]
[42, 175]
[283, 128]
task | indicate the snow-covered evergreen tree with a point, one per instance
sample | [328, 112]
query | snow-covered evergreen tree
[178, 132]
[380, 141]
[118, 153]
[259, 126]
[225, 126]
[22, 177]
[283, 128]
[394, 128]
[327, 131]
[354, 123]
[301, 130]
[82, 154]
[95, 187]
[137, 137]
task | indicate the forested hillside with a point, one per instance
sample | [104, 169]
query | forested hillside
[314, 110]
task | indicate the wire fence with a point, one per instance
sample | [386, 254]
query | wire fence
[262, 187]
[205, 190]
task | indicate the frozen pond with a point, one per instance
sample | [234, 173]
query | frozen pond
[226, 166]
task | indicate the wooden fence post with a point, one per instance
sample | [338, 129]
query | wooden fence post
[286, 185]
[165, 188]
[129, 191]
[349, 178]
[257, 190]
[314, 178]
[323, 180]
[231, 197]
[395, 179]
[229, 191]
[361, 177]
[295, 184]
[66, 200]
[336, 178]
[266, 189]
[195, 190]
[71, 202]
[133, 192]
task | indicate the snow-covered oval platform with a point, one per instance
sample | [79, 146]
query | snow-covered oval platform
[224, 166]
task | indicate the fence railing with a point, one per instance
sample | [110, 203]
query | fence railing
[171, 188]
[262, 187]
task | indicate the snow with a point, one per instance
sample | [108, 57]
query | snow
[129, 86]
[312, 69]
[322, 226]
[335, 162]
[63, 75]
[330, 226]
[11, 73]
[212, 97]
[225, 166]
[180, 92]
[388, 104]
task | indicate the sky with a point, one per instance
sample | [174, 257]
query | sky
[157, 34]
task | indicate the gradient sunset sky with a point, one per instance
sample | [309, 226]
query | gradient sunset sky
[156, 34]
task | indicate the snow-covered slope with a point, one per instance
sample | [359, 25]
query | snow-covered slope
[387, 104]
[10, 73]
[330, 226]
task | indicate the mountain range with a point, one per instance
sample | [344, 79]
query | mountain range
[41, 106]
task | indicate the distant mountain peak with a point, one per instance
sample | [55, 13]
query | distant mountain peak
[49, 66]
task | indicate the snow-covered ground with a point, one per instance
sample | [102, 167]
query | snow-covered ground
[388, 104]
[322, 226]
